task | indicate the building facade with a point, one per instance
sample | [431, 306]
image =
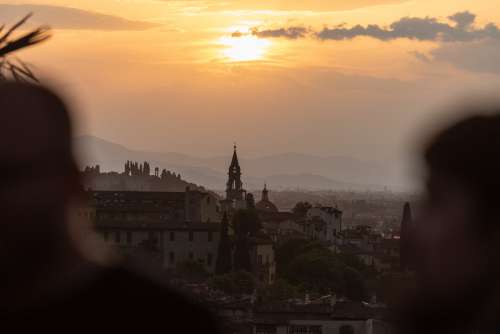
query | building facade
[323, 223]
[344, 317]
[167, 207]
[166, 244]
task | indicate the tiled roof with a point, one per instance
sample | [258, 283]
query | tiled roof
[342, 310]
[156, 225]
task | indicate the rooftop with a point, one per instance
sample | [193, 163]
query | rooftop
[156, 225]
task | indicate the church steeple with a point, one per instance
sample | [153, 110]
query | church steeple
[265, 193]
[234, 187]
[234, 162]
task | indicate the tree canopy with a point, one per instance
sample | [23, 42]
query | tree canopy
[301, 208]
[234, 283]
[312, 267]
[246, 222]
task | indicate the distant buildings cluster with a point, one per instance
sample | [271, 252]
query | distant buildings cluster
[135, 177]
[171, 222]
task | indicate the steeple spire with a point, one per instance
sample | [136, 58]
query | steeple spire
[234, 188]
[234, 161]
[265, 193]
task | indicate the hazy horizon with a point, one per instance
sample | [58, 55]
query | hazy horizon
[363, 79]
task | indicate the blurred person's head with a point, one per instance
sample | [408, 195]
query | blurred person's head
[457, 237]
[38, 178]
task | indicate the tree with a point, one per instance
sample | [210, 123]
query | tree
[246, 222]
[242, 254]
[19, 70]
[192, 271]
[301, 208]
[223, 264]
[406, 235]
[234, 283]
[314, 268]
[353, 285]
[289, 250]
[280, 290]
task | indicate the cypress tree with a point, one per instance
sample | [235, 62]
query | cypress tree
[405, 240]
[223, 263]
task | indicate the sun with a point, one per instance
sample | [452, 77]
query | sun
[244, 48]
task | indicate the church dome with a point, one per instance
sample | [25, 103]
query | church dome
[265, 204]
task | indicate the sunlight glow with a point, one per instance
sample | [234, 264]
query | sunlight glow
[244, 48]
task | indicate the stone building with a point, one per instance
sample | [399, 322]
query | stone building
[262, 258]
[164, 227]
[166, 243]
[167, 207]
[337, 317]
[323, 223]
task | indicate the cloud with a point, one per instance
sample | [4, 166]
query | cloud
[288, 5]
[421, 56]
[290, 32]
[461, 28]
[477, 56]
[422, 29]
[70, 18]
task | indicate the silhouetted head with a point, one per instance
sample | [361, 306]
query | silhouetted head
[457, 237]
[38, 175]
[37, 168]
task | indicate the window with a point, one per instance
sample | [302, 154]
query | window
[210, 236]
[305, 330]
[259, 259]
[297, 330]
[265, 329]
[209, 259]
[191, 236]
[171, 257]
[315, 330]
[117, 237]
[129, 237]
[172, 236]
[191, 256]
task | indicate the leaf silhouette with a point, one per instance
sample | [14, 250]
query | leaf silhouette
[8, 45]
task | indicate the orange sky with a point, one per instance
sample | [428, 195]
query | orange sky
[168, 75]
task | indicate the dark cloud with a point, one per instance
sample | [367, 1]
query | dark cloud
[69, 18]
[290, 32]
[463, 19]
[422, 29]
[461, 28]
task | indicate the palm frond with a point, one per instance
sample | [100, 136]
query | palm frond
[8, 45]
[36, 36]
[14, 27]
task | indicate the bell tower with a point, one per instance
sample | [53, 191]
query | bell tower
[234, 186]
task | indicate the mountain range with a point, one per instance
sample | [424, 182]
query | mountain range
[280, 171]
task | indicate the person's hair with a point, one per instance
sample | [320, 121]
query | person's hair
[32, 115]
[469, 152]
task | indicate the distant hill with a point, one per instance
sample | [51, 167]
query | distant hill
[282, 171]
